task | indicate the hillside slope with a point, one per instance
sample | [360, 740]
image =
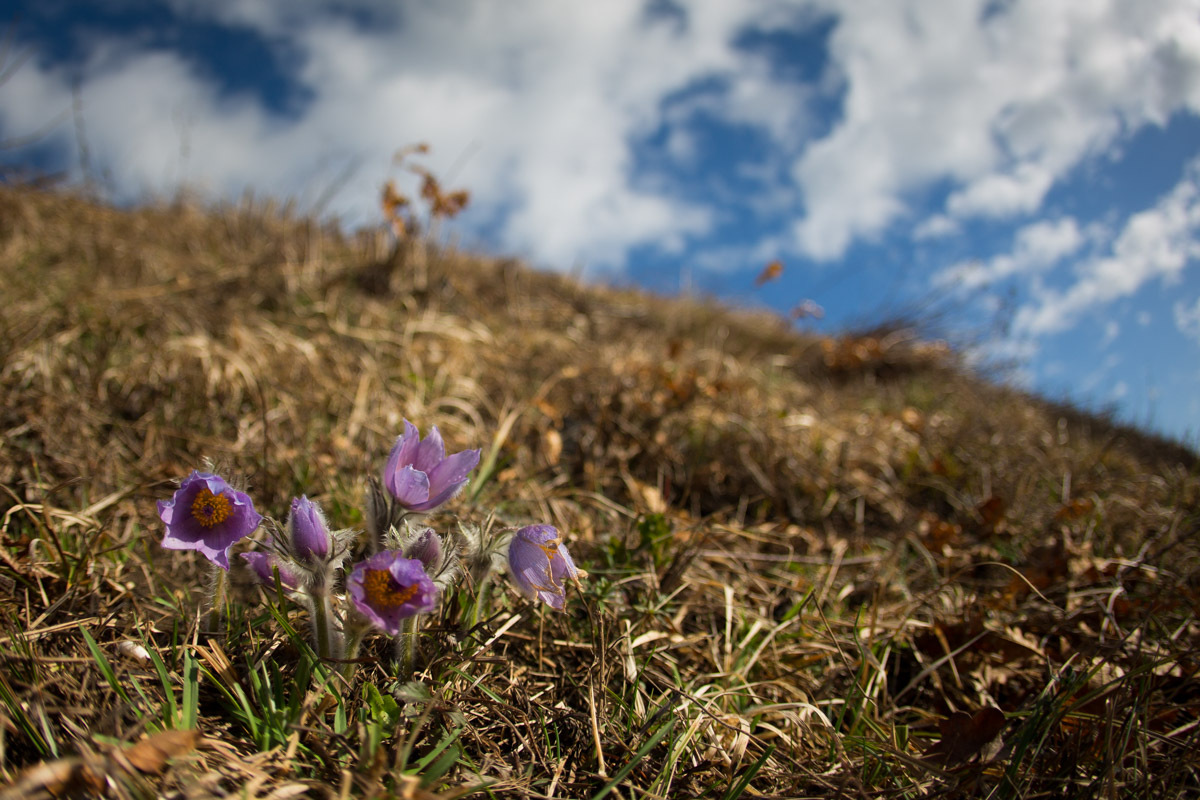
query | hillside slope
[808, 557]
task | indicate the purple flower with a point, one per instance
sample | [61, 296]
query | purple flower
[263, 565]
[420, 475]
[388, 588]
[538, 562]
[427, 548]
[307, 532]
[208, 515]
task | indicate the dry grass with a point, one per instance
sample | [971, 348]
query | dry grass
[814, 564]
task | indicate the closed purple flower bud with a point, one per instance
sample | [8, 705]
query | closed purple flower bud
[427, 548]
[538, 562]
[420, 475]
[208, 515]
[264, 565]
[388, 588]
[307, 532]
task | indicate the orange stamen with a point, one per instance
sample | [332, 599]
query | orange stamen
[211, 509]
[382, 591]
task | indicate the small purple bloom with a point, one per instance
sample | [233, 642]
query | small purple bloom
[538, 562]
[427, 548]
[307, 532]
[388, 588]
[263, 565]
[209, 515]
[420, 475]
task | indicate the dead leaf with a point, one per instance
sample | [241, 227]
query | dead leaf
[552, 446]
[65, 777]
[1074, 510]
[152, 753]
[770, 272]
[964, 735]
[991, 512]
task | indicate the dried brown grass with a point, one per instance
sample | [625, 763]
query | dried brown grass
[861, 539]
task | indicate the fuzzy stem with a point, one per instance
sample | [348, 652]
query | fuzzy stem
[321, 622]
[406, 648]
[220, 594]
[355, 633]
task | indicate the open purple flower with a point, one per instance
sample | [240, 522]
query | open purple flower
[538, 562]
[264, 565]
[388, 588]
[209, 515]
[420, 475]
[308, 533]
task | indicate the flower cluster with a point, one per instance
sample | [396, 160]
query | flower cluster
[404, 567]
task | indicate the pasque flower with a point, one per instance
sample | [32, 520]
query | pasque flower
[388, 588]
[426, 547]
[264, 565]
[308, 532]
[209, 515]
[539, 562]
[420, 475]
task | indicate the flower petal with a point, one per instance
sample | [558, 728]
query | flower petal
[264, 565]
[538, 562]
[308, 534]
[452, 472]
[431, 452]
[410, 487]
[206, 514]
[387, 588]
[403, 452]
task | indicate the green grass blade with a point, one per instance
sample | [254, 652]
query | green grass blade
[737, 789]
[191, 691]
[105, 668]
[22, 720]
[659, 735]
[171, 714]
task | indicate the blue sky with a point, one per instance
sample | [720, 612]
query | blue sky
[1029, 168]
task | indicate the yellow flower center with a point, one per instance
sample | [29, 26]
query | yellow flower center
[211, 509]
[383, 592]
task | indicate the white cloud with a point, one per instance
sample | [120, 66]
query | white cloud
[1112, 329]
[935, 227]
[999, 106]
[1037, 247]
[1155, 243]
[542, 103]
[990, 104]
[999, 194]
[1187, 319]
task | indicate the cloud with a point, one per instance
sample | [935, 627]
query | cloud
[1037, 247]
[542, 105]
[1002, 195]
[1187, 319]
[998, 102]
[540, 109]
[935, 227]
[1158, 242]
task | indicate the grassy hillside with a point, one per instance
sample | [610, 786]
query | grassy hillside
[826, 568]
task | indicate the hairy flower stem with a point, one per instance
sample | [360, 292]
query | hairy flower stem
[321, 620]
[406, 648]
[218, 600]
[354, 637]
